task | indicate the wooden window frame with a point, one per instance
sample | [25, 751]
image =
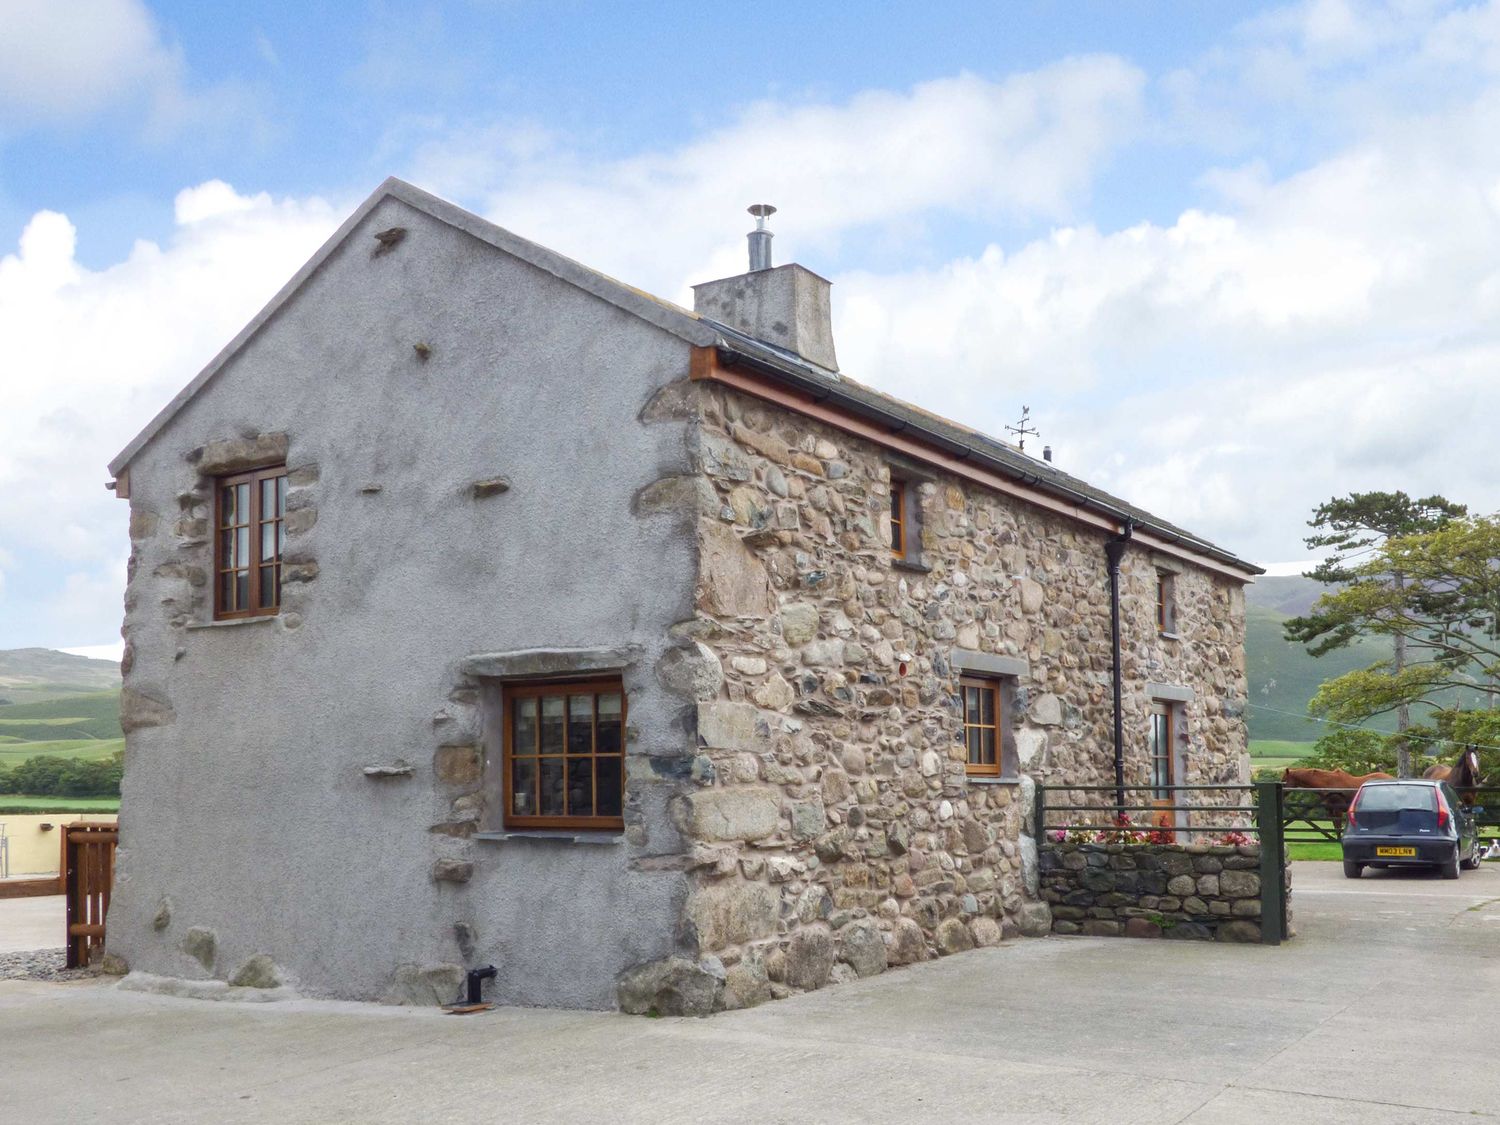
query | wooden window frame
[1166, 591]
[900, 504]
[1167, 713]
[991, 685]
[509, 693]
[255, 522]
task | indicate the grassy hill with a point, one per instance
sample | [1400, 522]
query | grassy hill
[34, 675]
[54, 704]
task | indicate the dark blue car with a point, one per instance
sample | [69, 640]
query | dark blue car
[1410, 822]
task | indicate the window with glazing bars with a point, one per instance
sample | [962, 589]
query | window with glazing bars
[248, 540]
[981, 700]
[564, 755]
[898, 519]
[1161, 752]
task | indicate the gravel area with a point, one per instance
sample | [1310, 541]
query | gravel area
[41, 964]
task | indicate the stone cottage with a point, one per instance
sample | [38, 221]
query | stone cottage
[483, 609]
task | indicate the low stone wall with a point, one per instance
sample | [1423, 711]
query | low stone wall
[1204, 892]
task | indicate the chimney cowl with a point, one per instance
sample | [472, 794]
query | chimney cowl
[760, 237]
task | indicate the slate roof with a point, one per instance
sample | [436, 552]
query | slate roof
[778, 363]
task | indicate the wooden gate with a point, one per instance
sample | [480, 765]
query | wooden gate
[88, 870]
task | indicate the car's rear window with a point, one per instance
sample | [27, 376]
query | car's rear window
[1390, 798]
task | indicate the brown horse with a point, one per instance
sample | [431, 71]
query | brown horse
[1462, 774]
[1344, 784]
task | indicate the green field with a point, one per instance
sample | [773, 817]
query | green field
[21, 804]
[14, 753]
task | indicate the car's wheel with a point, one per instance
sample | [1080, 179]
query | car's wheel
[1472, 863]
[1353, 870]
[1449, 867]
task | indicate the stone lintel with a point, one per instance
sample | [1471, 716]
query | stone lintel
[989, 663]
[1170, 693]
[537, 662]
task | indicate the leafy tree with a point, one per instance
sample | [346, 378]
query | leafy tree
[1353, 751]
[1446, 611]
[1355, 529]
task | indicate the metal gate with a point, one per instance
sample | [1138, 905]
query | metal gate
[88, 871]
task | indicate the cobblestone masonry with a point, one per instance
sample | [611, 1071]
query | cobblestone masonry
[1205, 892]
[834, 830]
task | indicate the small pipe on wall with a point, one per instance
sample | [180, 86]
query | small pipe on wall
[1114, 551]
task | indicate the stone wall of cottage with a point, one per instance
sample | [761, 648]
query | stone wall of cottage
[835, 832]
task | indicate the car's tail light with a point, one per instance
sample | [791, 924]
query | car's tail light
[1349, 816]
[1442, 813]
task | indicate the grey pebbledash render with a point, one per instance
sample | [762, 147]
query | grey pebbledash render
[633, 650]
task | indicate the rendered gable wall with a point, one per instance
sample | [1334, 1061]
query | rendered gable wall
[249, 825]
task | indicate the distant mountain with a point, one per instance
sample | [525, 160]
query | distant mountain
[1283, 677]
[30, 675]
[1289, 595]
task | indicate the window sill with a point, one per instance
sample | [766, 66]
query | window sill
[556, 835]
[975, 779]
[1167, 636]
[263, 619]
[911, 565]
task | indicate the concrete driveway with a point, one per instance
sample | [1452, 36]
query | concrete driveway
[1384, 1009]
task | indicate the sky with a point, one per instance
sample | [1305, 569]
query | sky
[1236, 260]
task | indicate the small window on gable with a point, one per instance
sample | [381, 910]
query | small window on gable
[982, 725]
[249, 536]
[900, 518]
[1166, 610]
[564, 755]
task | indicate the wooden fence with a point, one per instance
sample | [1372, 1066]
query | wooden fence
[88, 871]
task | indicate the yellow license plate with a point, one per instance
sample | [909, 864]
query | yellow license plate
[1396, 851]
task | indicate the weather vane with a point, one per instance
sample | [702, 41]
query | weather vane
[1022, 428]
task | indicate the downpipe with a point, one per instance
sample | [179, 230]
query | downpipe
[1114, 551]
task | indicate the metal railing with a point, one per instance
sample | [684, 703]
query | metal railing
[1260, 815]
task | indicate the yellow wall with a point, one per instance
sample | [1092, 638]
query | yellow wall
[35, 852]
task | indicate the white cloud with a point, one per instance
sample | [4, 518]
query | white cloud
[64, 63]
[1026, 145]
[91, 355]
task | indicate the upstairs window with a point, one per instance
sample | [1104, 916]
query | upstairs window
[564, 755]
[1166, 614]
[981, 702]
[900, 524]
[248, 540]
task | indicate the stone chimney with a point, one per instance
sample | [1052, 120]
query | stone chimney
[787, 306]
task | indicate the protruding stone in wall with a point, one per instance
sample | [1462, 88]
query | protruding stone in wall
[140, 709]
[458, 764]
[163, 917]
[233, 455]
[258, 972]
[673, 987]
[740, 813]
[733, 726]
[746, 983]
[467, 938]
[484, 489]
[953, 936]
[809, 957]
[687, 495]
[725, 914]
[452, 871]
[202, 945]
[732, 581]
[692, 671]
[425, 985]
[862, 947]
